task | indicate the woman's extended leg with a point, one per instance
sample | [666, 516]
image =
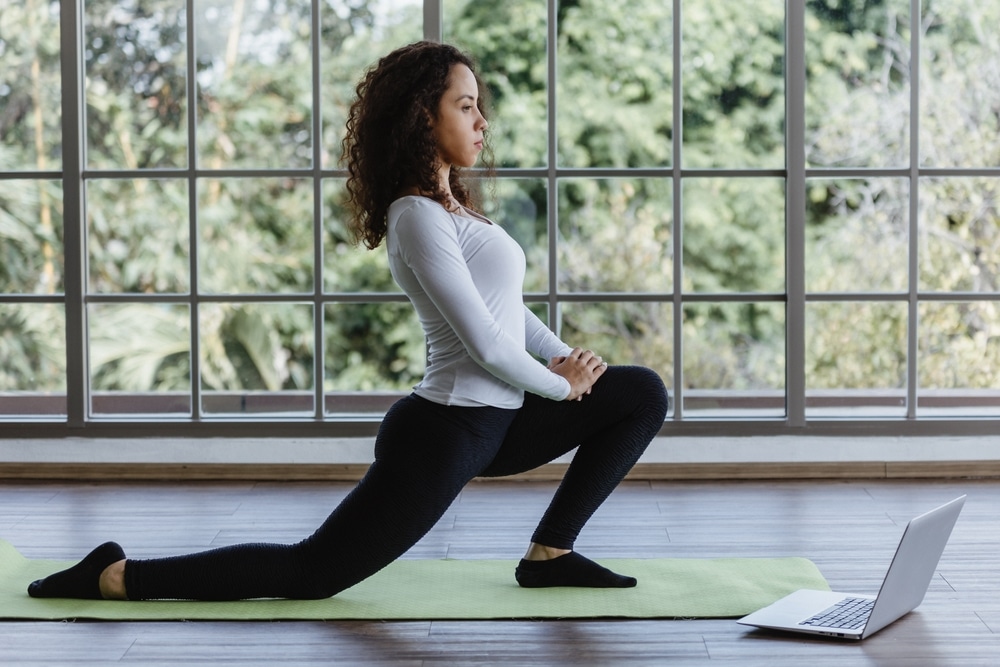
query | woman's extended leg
[612, 428]
[425, 454]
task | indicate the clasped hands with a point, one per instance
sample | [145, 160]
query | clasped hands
[581, 368]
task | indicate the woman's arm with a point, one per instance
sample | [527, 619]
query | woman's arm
[539, 339]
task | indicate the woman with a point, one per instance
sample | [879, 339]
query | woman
[485, 407]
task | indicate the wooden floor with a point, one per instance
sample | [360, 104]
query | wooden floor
[849, 529]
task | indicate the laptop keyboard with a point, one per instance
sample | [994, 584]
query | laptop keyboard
[849, 613]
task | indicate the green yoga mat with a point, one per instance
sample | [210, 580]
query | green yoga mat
[457, 589]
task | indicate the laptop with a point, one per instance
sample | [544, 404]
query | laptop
[851, 616]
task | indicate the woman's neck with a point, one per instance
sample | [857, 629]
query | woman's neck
[450, 202]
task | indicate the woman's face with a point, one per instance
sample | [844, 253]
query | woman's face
[458, 127]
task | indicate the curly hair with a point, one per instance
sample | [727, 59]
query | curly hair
[389, 144]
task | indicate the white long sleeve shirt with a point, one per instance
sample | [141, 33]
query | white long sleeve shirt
[464, 277]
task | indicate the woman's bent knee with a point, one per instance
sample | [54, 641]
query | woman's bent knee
[645, 389]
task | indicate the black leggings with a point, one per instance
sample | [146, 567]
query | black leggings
[425, 453]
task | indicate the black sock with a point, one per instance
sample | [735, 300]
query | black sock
[83, 580]
[570, 569]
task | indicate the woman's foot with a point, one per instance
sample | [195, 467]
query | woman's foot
[569, 569]
[84, 580]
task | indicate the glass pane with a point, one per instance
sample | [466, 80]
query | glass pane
[348, 267]
[32, 359]
[615, 235]
[959, 353]
[136, 72]
[858, 83]
[508, 40]
[520, 206]
[374, 354]
[30, 81]
[845, 215]
[733, 86]
[959, 80]
[31, 237]
[257, 358]
[354, 35]
[734, 235]
[137, 236]
[856, 359]
[960, 234]
[140, 358]
[255, 235]
[615, 87]
[254, 83]
[623, 333]
[734, 360]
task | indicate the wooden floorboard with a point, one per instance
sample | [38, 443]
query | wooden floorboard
[848, 528]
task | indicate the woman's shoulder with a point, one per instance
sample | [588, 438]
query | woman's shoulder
[415, 202]
[412, 207]
[416, 209]
[416, 216]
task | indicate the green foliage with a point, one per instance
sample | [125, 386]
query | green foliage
[614, 91]
[382, 337]
[29, 85]
[32, 356]
[614, 109]
[140, 347]
[734, 346]
[256, 347]
[733, 84]
[135, 84]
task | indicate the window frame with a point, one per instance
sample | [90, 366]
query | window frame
[74, 174]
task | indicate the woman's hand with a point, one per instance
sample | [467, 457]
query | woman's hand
[581, 368]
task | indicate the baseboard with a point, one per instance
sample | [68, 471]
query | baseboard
[138, 472]
[347, 459]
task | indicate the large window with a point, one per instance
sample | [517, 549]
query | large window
[787, 208]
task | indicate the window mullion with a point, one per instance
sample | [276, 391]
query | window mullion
[319, 306]
[677, 232]
[192, 180]
[914, 194]
[551, 181]
[433, 23]
[795, 211]
[71, 71]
